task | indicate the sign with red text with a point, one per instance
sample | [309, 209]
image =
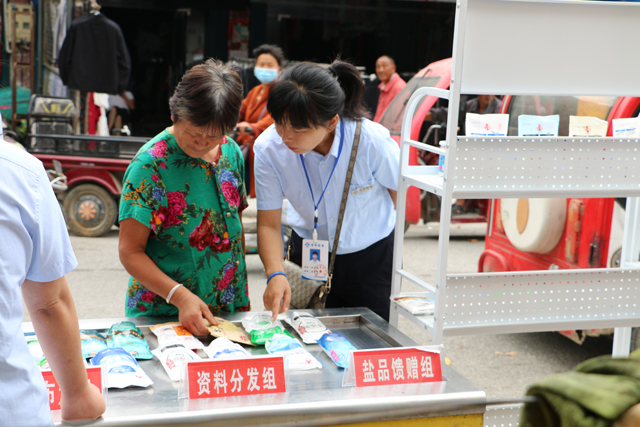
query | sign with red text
[236, 377]
[395, 366]
[94, 374]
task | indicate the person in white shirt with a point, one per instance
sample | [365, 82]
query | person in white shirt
[304, 157]
[35, 256]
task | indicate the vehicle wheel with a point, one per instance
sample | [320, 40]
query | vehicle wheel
[90, 210]
[635, 339]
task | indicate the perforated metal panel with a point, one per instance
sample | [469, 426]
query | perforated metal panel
[547, 167]
[502, 415]
[541, 301]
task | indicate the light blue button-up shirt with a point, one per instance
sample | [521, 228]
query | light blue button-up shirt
[34, 245]
[369, 216]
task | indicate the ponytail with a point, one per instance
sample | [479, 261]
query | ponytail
[308, 95]
[353, 88]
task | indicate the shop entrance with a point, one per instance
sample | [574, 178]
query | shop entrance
[156, 43]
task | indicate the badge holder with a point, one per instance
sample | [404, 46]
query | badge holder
[315, 256]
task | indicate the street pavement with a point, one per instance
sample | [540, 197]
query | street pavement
[502, 365]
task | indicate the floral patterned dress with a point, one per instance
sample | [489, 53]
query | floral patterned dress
[192, 207]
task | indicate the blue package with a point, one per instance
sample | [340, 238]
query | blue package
[92, 342]
[121, 368]
[337, 348]
[281, 343]
[127, 335]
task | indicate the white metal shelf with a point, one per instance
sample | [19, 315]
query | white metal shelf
[505, 167]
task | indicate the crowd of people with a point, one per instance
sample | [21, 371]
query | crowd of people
[183, 195]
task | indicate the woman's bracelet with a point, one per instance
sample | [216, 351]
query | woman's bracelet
[277, 273]
[172, 291]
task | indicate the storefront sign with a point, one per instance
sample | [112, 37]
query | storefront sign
[94, 374]
[395, 366]
[237, 377]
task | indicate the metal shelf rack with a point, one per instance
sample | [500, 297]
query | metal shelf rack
[510, 47]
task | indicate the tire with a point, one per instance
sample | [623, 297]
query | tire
[90, 210]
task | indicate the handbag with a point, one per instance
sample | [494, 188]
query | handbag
[313, 293]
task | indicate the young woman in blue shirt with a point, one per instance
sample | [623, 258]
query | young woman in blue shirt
[304, 157]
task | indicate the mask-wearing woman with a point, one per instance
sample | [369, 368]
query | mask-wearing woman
[254, 117]
[305, 158]
[181, 235]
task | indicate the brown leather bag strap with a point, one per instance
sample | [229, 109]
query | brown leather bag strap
[345, 194]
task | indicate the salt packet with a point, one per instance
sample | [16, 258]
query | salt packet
[307, 326]
[337, 347]
[175, 333]
[259, 321]
[122, 368]
[92, 342]
[224, 348]
[296, 358]
[172, 356]
[127, 335]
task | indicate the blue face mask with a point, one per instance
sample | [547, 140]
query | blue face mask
[265, 75]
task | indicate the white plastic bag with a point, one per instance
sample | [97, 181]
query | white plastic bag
[308, 327]
[296, 358]
[175, 333]
[172, 357]
[223, 348]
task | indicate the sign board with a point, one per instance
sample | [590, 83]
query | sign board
[394, 366]
[235, 377]
[94, 374]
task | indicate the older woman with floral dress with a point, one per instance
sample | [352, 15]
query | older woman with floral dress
[181, 235]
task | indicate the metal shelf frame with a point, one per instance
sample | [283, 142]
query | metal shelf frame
[503, 167]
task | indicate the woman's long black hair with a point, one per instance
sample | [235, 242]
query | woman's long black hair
[308, 95]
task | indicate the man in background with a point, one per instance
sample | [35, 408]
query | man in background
[390, 84]
[35, 256]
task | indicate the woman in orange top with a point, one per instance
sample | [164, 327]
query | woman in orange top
[254, 117]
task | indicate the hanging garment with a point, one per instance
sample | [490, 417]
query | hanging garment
[94, 56]
[102, 100]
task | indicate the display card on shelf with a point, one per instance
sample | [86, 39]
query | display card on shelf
[94, 373]
[486, 124]
[203, 379]
[587, 126]
[538, 125]
[389, 366]
[626, 128]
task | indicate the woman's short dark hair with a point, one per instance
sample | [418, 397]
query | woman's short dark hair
[209, 96]
[308, 95]
[272, 50]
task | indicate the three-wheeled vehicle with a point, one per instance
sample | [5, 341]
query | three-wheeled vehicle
[540, 234]
[423, 205]
[94, 165]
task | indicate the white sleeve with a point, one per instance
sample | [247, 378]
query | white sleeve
[385, 158]
[269, 192]
[52, 255]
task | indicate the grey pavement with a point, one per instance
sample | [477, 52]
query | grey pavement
[502, 365]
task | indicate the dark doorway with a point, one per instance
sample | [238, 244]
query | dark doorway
[156, 42]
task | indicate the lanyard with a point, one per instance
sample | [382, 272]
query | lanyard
[315, 206]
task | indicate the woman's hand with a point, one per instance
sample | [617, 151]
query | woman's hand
[87, 405]
[191, 309]
[242, 126]
[277, 296]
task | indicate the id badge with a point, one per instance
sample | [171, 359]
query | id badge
[315, 259]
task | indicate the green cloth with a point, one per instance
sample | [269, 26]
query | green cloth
[193, 210]
[594, 394]
[22, 98]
